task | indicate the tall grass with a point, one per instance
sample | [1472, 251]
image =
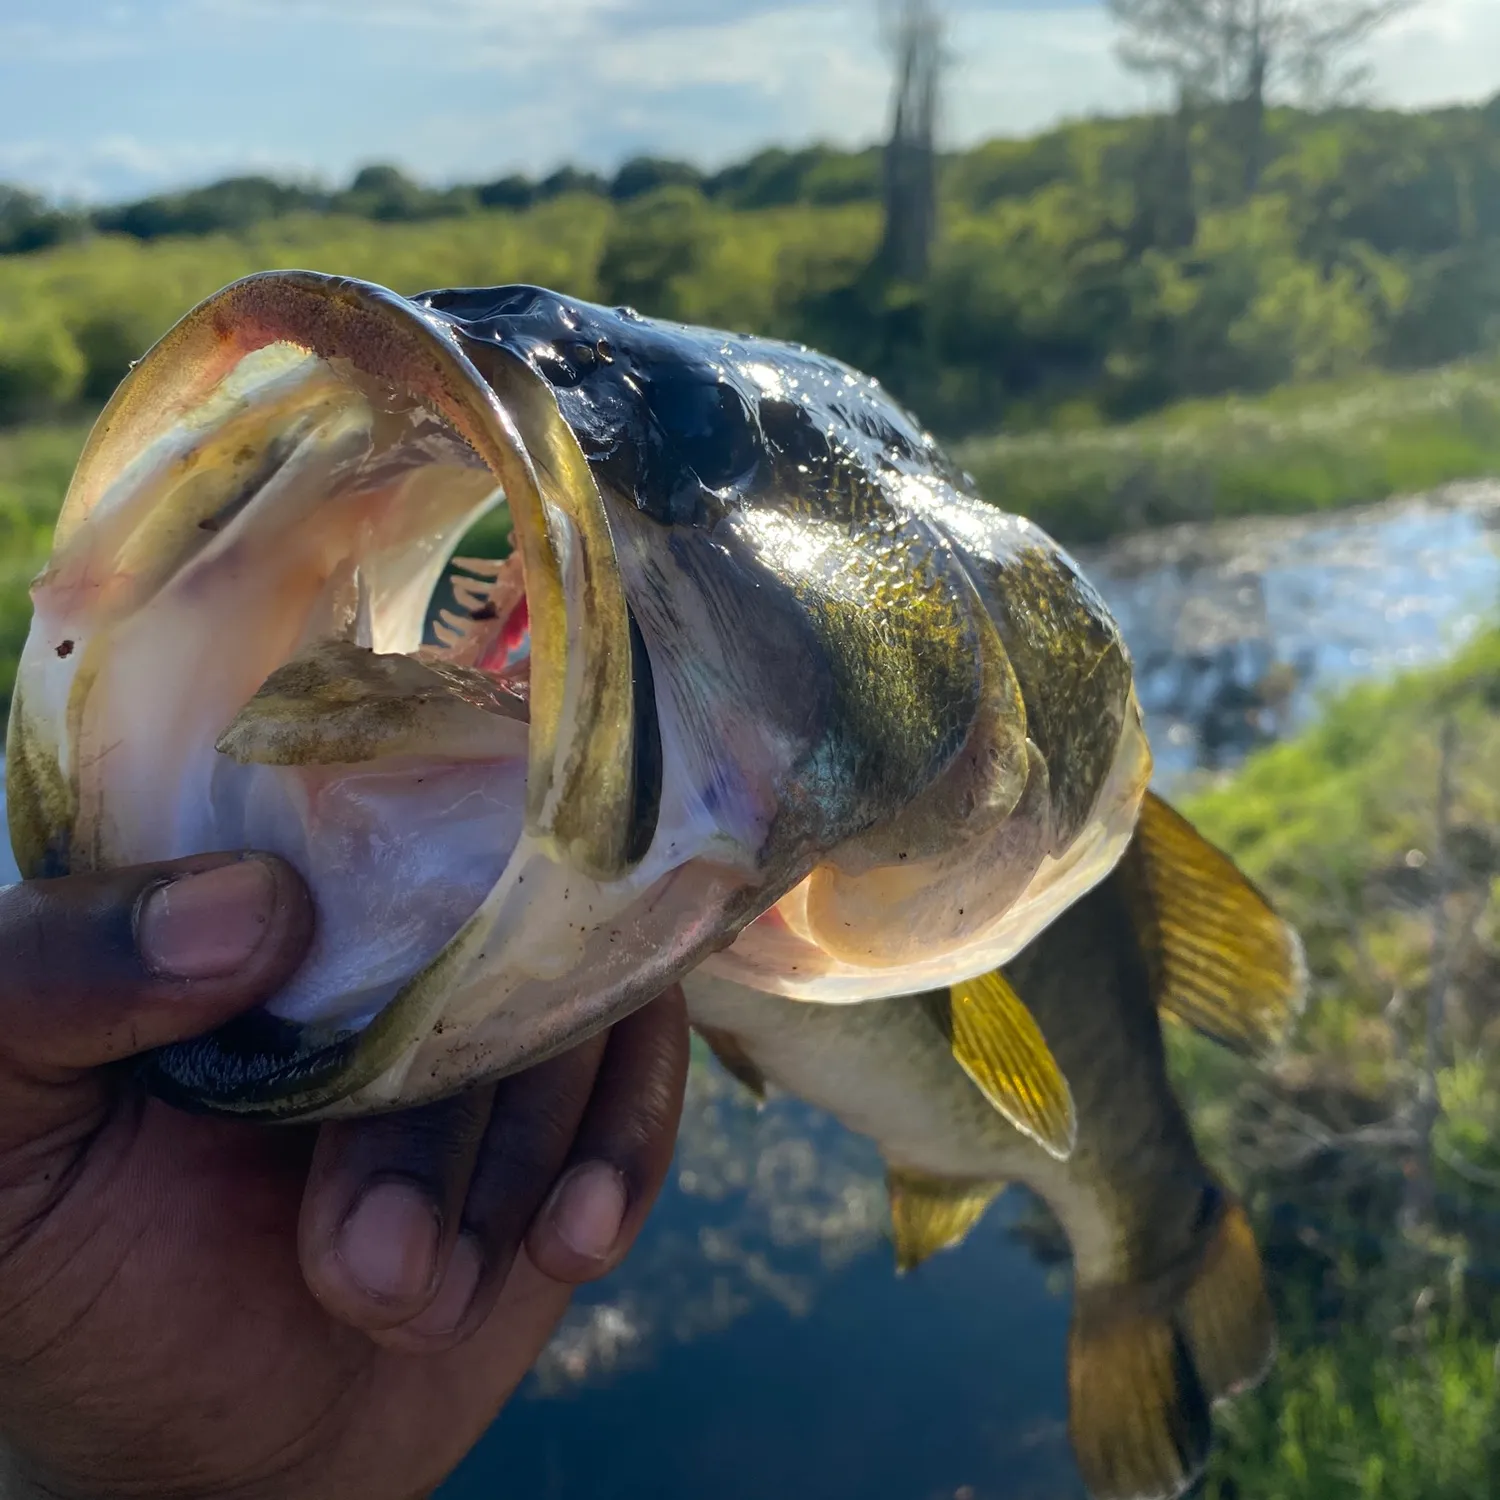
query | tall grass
[1298, 449]
[35, 464]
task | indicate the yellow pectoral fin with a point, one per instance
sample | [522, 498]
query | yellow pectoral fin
[1002, 1049]
[1222, 961]
[929, 1214]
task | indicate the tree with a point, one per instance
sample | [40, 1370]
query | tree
[916, 38]
[1236, 52]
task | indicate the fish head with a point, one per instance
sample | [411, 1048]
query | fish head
[721, 647]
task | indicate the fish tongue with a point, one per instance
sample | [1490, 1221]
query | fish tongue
[338, 703]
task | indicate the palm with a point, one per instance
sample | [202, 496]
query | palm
[196, 1307]
[186, 1289]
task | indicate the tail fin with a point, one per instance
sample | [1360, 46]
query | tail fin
[1225, 1315]
[1146, 1365]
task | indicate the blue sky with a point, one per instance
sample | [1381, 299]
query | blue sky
[104, 99]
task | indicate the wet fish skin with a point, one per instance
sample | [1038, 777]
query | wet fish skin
[699, 432]
[1170, 1311]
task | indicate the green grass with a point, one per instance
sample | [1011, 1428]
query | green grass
[1300, 448]
[35, 464]
[1386, 1385]
[1351, 1417]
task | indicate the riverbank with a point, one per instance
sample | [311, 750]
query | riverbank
[1380, 1221]
[1299, 449]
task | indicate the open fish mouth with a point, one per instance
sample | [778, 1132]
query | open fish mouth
[758, 650]
[228, 651]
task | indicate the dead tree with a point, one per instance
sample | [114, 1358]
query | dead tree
[1236, 52]
[1421, 1184]
[916, 40]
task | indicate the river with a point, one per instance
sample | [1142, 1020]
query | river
[758, 1343]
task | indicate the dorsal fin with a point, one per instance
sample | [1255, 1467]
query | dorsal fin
[929, 1214]
[1222, 961]
[999, 1045]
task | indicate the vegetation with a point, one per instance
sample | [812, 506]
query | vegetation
[1382, 1229]
[1111, 266]
[35, 464]
[1301, 448]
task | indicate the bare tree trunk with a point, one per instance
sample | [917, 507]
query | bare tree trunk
[911, 152]
[1253, 106]
[1421, 1189]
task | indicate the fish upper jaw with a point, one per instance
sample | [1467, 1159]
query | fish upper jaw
[282, 478]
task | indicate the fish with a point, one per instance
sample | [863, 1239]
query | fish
[763, 686]
[1170, 1310]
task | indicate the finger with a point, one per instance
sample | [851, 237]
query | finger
[623, 1149]
[533, 1122]
[382, 1208]
[95, 968]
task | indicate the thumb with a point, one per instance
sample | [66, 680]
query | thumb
[95, 968]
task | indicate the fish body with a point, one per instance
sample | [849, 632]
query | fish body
[764, 688]
[1170, 1312]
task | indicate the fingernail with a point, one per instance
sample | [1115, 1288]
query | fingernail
[588, 1208]
[389, 1243]
[206, 926]
[447, 1310]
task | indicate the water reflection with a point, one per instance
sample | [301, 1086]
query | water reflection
[835, 1379]
[1238, 629]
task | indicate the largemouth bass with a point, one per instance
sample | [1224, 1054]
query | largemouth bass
[764, 689]
[1170, 1312]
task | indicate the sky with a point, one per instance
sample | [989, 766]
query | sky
[103, 100]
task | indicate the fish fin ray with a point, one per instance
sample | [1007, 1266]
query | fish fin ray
[1147, 1362]
[1223, 962]
[735, 1061]
[929, 1214]
[1000, 1046]
[1225, 1315]
[1138, 1416]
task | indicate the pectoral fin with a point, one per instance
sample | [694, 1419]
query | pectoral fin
[929, 1214]
[1221, 959]
[1002, 1049]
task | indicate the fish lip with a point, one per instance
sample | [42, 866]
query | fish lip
[254, 1067]
[576, 807]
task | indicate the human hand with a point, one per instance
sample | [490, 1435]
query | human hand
[195, 1307]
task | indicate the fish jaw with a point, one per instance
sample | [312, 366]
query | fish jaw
[292, 465]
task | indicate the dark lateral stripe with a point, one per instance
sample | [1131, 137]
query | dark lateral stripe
[646, 776]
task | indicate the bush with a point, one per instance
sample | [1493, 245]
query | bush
[41, 366]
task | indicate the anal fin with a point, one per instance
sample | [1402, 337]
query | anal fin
[999, 1045]
[929, 1214]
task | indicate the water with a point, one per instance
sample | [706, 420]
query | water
[758, 1343]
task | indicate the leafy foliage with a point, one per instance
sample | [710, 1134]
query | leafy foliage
[1117, 263]
[1386, 1387]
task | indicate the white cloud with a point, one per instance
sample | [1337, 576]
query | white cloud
[112, 166]
[1443, 52]
[474, 88]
